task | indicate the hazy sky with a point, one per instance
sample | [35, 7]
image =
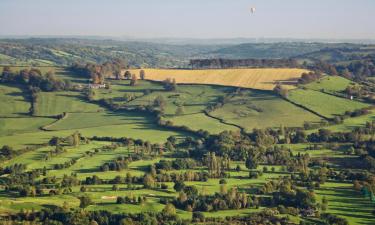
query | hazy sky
[190, 18]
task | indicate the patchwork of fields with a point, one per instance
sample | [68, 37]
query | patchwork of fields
[209, 100]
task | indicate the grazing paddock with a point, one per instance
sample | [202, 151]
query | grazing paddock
[256, 109]
[105, 118]
[10, 126]
[55, 103]
[347, 203]
[324, 104]
[264, 79]
[13, 101]
[330, 84]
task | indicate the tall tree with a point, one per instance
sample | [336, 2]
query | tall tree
[134, 80]
[142, 74]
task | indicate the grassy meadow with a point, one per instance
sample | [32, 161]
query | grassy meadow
[323, 104]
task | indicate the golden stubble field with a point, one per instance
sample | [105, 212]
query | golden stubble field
[263, 79]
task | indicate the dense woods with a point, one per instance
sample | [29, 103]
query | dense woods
[242, 63]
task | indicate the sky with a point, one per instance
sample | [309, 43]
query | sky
[334, 19]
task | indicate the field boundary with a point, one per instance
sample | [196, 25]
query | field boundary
[45, 127]
[307, 109]
[223, 121]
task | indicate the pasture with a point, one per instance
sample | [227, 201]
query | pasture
[323, 104]
[13, 101]
[255, 109]
[330, 84]
[56, 103]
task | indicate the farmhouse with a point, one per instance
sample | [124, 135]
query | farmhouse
[96, 86]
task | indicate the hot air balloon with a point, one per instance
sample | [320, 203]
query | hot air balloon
[252, 9]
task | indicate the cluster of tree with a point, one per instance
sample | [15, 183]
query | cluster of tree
[356, 70]
[220, 101]
[170, 84]
[333, 219]
[323, 67]
[35, 79]
[67, 164]
[359, 69]
[241, 63]
[13, 169]
[131, 200]
[17, 176]
[57, 151]
[356, 90]
[99, 72]
[217, 165]
[281, 91]
[177, 164]
[190, 200]
[118, 164]
[7, 152]
[71, 140]
[181, 177]
[67, 215]
[309, 77]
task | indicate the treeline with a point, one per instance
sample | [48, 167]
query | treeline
[66, 215]
[35, 79]
[309, 77]
[241, 63]
[356, 70]
[99, 72]
[190, 200]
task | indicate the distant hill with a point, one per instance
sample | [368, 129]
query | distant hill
[346, 54]
[65, 51]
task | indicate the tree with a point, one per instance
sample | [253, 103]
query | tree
[170, 84]
[280, 90]
[126, 221]
[93, 222]
[127, 75]
[169, 210]
[134, 80]
[142, 74]
[198, 217]
[148, 181]
[180, 110]
[178, 185]
[115, 187]
[76, 138]
[324, 203]
[84, 201]
[251, 163]
[160, 101]
[223, 188]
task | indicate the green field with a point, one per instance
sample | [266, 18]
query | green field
[194, 98]
[13, 101]
[10, 126]
[323, 104]
[330, 84]
[105, 118]
[255, 109]
[347, 203]
[56, 103]
[351, 123]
